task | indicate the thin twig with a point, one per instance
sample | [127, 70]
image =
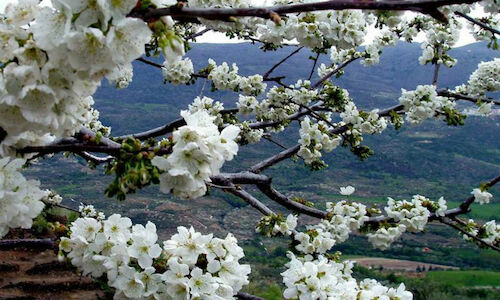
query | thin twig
[478, 23]
[314, 66]
[266, 75]
[148, 62]
[436, 75]
[197, 34]
[453, 225]
[447, 93]
[268, 138]
[335, 71]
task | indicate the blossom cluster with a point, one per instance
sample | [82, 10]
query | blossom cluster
[481, 197]
[423, 103]
[21, 200]
[385, 236]
[363, 122]
[249, 135]
[486, 78]
[353, 213]
[343, 29]
[314, 138]
[225, 78]
[481, 34]
[178, 72]
[89, 211]
[199, 152]
[322, 278]
[411, 215]
[188, 266]
[54, 58]
[489, 232]
[213, 108]
[439, 38]
[274, 225]
[344, 218]
[281, 102]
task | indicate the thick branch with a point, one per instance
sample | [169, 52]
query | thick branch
[3, 134]
[436, 75]
[427, 7]
[263, 183]
[278, 197]
[252, 201]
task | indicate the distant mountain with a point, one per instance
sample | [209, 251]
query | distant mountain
[374, 86]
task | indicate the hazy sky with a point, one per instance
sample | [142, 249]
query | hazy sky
[216, 37]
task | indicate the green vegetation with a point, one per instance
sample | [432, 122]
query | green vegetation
[466, 278]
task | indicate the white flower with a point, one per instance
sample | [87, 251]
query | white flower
[423, 103]
[117, 228]
[144, 246]
[187, 244]
[129, 282]
[485, 108]
[347, 191]
[86, 228]
[481, 197]
[201, 285]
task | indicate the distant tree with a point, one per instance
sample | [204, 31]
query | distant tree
[53, 59]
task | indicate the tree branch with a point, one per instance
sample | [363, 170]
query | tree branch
[199, 33]
[313, 66]
[447, 221]
[462, 209]
[436, 75]
[478, 23]
[426, 6]
[3, 134]
[335, 71]
[245, 296]
[266, 75]
[450, 94]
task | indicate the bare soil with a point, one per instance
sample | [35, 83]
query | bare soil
[28, 273]
[398, 264]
